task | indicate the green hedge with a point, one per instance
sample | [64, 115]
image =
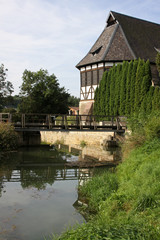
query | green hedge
[126, 89]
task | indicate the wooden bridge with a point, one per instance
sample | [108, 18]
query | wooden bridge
[43, 122]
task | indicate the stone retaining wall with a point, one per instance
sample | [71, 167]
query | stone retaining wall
[91, 138]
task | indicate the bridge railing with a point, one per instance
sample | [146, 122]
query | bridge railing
[60, 121]
[5, 117]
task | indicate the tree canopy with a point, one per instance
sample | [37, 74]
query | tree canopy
[41, 93]
[6, 87]
[73, 101]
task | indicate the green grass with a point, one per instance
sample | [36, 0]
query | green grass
[126, 202]
[98, 189]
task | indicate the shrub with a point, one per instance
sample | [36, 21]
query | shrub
[152, 127]
[8, 137]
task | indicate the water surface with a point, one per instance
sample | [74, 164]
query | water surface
[37, 194]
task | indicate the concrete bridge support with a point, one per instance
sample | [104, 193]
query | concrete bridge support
[29, 138]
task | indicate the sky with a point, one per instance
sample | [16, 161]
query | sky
[56, 34]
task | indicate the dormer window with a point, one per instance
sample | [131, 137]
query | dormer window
[96, 51]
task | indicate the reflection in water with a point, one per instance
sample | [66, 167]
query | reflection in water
[36, 168]
[36, 194]
[94, 154]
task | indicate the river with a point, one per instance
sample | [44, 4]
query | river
[37, 193]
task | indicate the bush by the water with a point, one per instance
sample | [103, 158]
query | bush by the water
[126, 201]
[8, 137]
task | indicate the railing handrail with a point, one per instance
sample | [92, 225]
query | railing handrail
[64, 121]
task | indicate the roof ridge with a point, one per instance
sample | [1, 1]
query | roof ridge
[126, 40]
[125, 15]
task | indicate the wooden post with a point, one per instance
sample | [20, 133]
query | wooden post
[112, 122]
[23, 120]
[77, 121]
[66, 125]
[81, 123]
[62, 122]
[90, 120]
[117, 123]
[94, 123]
[10, 118]
[49, 123]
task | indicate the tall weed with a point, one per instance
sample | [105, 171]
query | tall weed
[98, 189]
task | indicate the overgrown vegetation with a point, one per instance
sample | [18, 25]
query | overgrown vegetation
[126, 202]
[126, 90]
[8, 137]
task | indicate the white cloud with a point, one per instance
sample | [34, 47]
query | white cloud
[55, 35]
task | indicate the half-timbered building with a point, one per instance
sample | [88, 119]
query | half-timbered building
[124, 38]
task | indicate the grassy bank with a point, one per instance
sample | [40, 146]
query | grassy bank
[126, 202]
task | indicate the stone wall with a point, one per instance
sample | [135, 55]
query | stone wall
[91, 138]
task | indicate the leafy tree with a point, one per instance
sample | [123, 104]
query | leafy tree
[158, 62]
[139, 78]
[128, 89]
[112, 91]
[102, 93]
[123, 88]
[117, 89]
[41, 93]
[149, 100]
[73, 101]
[132, 89]
[95, 107]
[98, 100]
[156, 99]
[146, 82]
[11, 103]
[143, 107]
[6, 87]
[107, 94]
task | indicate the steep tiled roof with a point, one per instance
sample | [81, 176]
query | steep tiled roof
[119, 49]
[124, 38]
[101, 44]
[142, 36]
